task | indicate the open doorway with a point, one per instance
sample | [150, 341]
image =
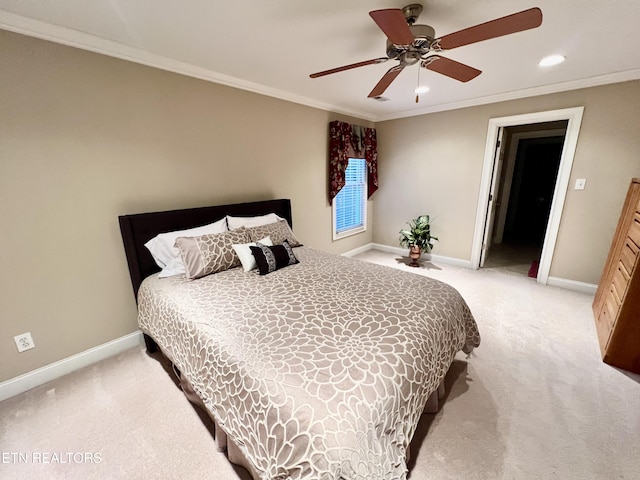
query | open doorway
[523, 194]
[487, 198]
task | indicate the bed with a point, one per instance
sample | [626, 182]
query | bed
[319, 370]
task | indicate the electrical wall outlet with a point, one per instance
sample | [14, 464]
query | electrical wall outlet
[24, 342]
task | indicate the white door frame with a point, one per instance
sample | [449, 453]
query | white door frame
[574, 119]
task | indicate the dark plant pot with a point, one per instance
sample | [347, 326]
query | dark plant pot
[414, 254]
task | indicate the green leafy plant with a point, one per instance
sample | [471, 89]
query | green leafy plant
[418, 234]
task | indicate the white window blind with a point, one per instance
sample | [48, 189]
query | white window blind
[350, 205]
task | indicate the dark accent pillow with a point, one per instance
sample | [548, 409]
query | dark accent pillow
[272, 258]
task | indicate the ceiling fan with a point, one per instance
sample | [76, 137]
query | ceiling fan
[409, 43]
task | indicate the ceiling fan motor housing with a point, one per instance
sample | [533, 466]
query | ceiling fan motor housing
[423, 36]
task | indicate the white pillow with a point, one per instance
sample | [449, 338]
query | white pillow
[237, 222]
[246, 257]
[167, 256]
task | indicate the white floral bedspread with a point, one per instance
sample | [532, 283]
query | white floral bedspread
[320, 370]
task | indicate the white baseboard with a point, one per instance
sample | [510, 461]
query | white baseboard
[458, 262]
[389, 249]
[55, 370]
[358, 251]
[574, 285]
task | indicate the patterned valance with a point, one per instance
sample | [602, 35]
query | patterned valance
[351, 141]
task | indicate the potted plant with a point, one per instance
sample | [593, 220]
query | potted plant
[417, 238]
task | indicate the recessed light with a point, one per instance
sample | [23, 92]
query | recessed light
[422, 89]
[551, 60]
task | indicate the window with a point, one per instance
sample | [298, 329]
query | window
[350, 205]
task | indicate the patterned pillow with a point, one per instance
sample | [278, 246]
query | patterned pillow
[167, 256]
[211, 253]
[270, 259]
[278, 232]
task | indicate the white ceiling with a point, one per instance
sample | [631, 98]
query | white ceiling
[271, 46]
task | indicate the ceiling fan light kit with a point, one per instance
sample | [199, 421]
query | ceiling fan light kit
[410, 44]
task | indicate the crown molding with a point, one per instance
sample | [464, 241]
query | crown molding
[85, 41]
[597, 81]
[74, 38]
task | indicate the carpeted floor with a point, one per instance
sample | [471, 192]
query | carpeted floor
[534, 401]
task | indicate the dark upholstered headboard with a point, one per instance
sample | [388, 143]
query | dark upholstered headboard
[138, 229]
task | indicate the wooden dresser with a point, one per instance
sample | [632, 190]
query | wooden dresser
[616, 305]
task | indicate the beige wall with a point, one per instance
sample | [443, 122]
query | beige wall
[433, 163]
[85, 138]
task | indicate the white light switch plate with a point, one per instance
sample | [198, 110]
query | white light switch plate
[580, 183]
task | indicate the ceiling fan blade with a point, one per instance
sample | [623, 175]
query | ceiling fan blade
[514, 23]
[385, 81]
[349, 67]
[394, 25]
[451, 68]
